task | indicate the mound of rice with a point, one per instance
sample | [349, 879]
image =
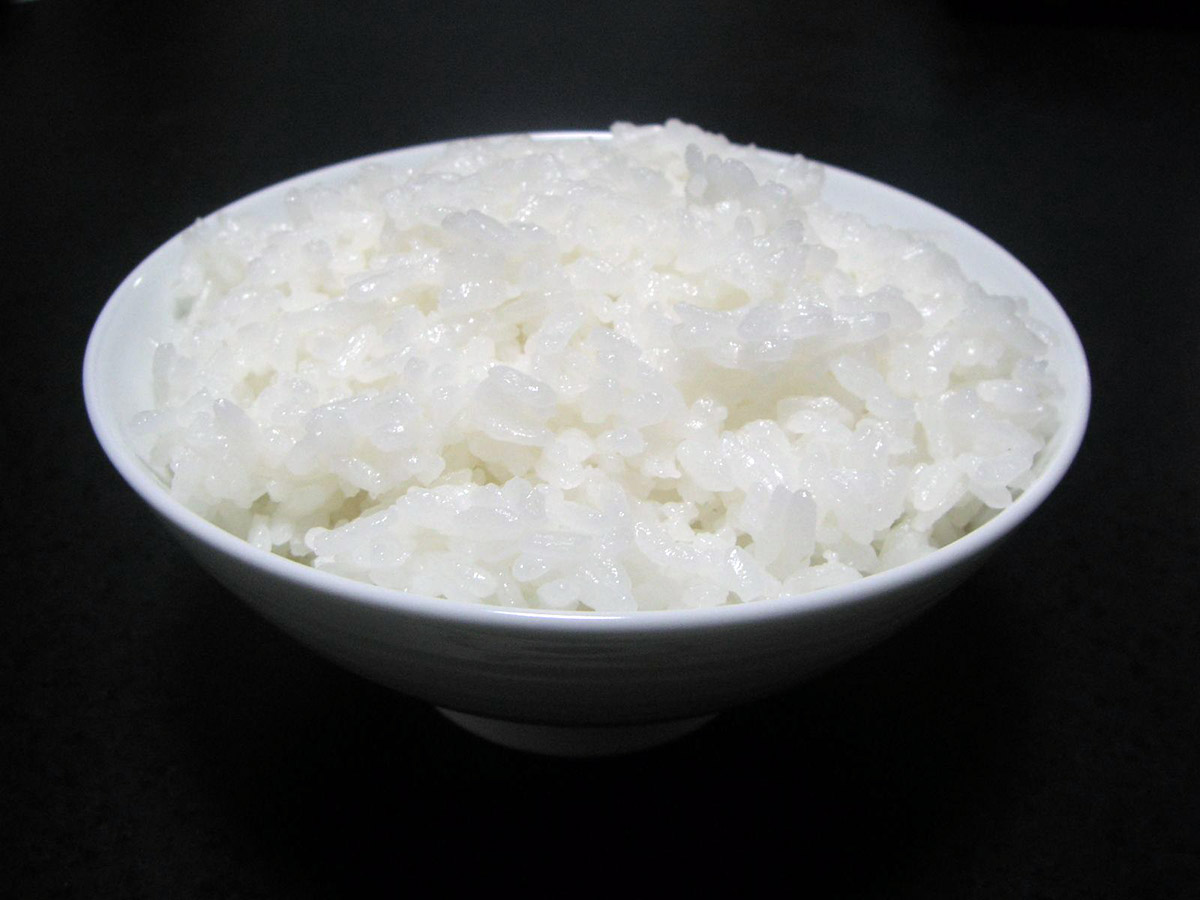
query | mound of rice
[645, 372]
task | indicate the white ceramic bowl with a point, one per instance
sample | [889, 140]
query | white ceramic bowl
[560, 682]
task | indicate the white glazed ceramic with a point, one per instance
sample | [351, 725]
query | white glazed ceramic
[571, 683]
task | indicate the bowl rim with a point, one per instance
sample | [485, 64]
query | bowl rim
[122, 456]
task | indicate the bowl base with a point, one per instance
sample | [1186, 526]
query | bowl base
[574, 740]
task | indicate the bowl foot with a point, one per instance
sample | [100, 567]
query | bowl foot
[574, 740]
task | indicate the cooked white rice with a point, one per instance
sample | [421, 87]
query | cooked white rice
[640, 373]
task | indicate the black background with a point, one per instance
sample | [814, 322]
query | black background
[1034, 736]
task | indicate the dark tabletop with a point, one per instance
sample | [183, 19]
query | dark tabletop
[1033, 736]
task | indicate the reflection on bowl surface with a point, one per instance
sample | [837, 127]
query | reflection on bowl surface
[573, 663]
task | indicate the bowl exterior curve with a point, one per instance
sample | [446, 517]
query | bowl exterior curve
[576, 671]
